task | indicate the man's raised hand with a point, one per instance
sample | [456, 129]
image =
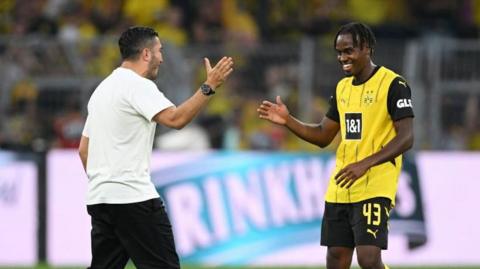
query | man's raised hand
[276, 113]
[217, 75]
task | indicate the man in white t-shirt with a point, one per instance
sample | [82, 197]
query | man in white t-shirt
[128, 217]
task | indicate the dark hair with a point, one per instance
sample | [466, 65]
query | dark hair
[133, 40]
[361, 35]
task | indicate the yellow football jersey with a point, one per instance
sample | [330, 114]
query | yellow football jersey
[366, 114]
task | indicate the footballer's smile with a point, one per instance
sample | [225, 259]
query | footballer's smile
[354, 58]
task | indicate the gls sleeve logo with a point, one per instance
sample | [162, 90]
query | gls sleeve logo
[401, 103]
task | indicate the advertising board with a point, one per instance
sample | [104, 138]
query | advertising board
[18, 211]
[245, 208]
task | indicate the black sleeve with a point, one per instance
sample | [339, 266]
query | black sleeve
[333, 111]
[399, 102]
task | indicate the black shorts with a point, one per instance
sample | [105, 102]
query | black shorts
[356, 224]
[139, 231]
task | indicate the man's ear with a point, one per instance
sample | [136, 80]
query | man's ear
[146, 54]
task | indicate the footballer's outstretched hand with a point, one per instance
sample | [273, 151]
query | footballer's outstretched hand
[276, 113]
[217, 75]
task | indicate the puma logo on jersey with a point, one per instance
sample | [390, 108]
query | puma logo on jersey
[372, 232]
[401, 103]
[402, 83]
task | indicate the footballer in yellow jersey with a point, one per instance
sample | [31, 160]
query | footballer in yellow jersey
[372, 109]
[366, 113]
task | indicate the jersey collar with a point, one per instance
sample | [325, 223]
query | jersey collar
[371, 75]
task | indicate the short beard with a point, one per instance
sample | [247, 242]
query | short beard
[151, 72]
[151, 76]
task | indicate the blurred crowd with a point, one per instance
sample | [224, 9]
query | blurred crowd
[81, 41]
[247, 21]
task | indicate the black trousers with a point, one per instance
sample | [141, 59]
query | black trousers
[139, 231]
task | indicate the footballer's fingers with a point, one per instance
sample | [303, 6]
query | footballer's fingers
[279, 100]
[264, 117]
[339, 173]
[350, 183]
[264, 114]
[341, 176]
[340, 180]
[345, 181]
[263, 111]
[267, 103]
[265, 106]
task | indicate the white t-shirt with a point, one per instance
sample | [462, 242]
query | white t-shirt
[121, 131]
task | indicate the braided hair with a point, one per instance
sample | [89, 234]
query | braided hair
[361, 35]
[134, 40]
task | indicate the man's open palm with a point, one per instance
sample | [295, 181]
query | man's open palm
[276, 113]
[217, 75]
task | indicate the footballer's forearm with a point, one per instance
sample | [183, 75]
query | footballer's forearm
[402, 142]
[320, 134]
